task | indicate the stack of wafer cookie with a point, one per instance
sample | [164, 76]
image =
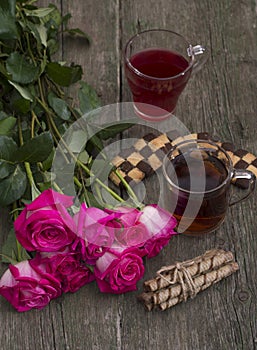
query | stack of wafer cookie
[174, 284]
[146, 156]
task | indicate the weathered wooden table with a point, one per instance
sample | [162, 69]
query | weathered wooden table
[220, 99]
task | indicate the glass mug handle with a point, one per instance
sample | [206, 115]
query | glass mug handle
[247, 175]
[197, 50]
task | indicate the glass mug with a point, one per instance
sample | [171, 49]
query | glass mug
[199, 175]
[158, 64]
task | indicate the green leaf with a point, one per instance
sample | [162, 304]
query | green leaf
[3, 71]
[3, 115]
[53, 17]
[13, 187]
[36, 149]
[63, 75]
[59, 106]
[34, 191]
[47, 163]
[23, 91]
[6, 169]
[101, 169]
[39, 31]
[9, 6]
[83, 157]
[8, 29]
[42, 34]
[10, 251]
[79, 32]
[39, 12]
[21, 70]
[8, 149]
[94, 142]
[65, 19]
[64, 178]
[113, 129]
[21, 105]
[53, 46]
[88, 98]
[77, 141]
[6, 125]
[8, 259]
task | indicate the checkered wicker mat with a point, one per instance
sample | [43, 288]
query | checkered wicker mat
[146, 156]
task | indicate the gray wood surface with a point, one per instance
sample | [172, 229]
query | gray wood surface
[221, 99]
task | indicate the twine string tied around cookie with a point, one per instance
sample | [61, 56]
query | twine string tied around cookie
[181, 275]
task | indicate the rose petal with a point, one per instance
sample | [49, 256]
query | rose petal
[157, 219]
[50, 198]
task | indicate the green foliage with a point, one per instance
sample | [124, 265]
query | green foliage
[62, 75]
[8, 28]
[36, 149]
[6, 125]
[20, 69]
[8, 148]
[13, 186]
[35, 111]
[59, 106]
[12, 251]
[109, 131]
[88, 98]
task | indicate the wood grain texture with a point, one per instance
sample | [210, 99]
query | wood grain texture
[220, 99]
[101, 60]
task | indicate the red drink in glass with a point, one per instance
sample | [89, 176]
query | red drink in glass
[158, 64]
[157, 77]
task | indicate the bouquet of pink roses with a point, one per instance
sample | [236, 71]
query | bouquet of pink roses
[69, 251]
[49, 141]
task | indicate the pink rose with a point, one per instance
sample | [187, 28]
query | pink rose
[45, 225]
[161, 225]
[129, 232]
[27, 287]
[134, 236]
[67, 268]
[119, 274]
[154, 245]
[88, 252]
[125, 216]
[93, 226]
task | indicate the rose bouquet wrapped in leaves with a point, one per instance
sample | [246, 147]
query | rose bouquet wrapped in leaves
[61, 242]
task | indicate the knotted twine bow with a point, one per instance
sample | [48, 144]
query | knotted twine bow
[181, 275]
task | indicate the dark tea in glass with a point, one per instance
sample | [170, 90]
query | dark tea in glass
[199, 175]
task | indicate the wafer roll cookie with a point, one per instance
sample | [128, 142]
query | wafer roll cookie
[210, 260]
[203, 282]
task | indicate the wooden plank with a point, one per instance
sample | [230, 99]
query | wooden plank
[100, 60]
[79, 317]
[75, 321]
[221, 99]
